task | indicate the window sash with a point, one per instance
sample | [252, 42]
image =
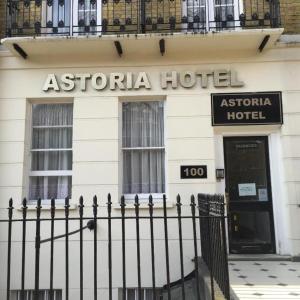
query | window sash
[55, 118]
[143, 148]
[144, 292]
[50, 173]
[50, 149]
[143, 124]
[51, 126]
[28, 294]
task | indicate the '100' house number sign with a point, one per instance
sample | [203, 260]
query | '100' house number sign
[193, 172]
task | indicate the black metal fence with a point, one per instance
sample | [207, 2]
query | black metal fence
[83, 17]
[213, 240]
[203, 220]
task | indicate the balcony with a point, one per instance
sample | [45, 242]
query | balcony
[96, 17]
[243, 23]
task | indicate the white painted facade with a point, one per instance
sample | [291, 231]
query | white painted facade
[190, 139]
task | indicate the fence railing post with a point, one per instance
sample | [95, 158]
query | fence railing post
[138, 249]
[10, 214]
[224, 243]
[52, 212]
[178, 204]
[24, 213]
[95, 211]
[122, 204]
[109, 203]
[193, 209]
[167, 246]
[81, 206]
[150, 204]
[67, 206]
[37, 249]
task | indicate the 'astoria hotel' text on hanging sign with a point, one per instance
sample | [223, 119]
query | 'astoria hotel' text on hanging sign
[246, 108]
[141, 80]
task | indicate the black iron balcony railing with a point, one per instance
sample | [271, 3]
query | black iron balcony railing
[83, 17]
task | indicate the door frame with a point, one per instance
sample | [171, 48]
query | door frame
[255, 206]
[281, 225]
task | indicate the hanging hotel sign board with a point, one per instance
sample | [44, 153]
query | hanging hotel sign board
[260, 108]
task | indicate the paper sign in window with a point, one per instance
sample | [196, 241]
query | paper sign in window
[247, 189]
[262, 194]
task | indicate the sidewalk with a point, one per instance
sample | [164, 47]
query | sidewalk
[273, 280]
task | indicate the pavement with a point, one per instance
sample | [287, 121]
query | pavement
[273, 280]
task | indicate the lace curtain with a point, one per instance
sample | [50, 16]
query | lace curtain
[51, 153]
[143, 148]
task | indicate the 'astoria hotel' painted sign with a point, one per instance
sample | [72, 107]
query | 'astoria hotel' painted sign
[246, 108]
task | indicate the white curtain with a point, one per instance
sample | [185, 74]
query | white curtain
[51, 149]
[143, 168]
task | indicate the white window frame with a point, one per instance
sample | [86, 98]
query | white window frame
[48, 11]
[143, 197]
[28, 294]
[210, 12]
[237, 9]
[48, 173]
[136, 293]
[75, 11]
[71, 14]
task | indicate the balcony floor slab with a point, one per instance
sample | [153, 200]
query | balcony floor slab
[141, 47]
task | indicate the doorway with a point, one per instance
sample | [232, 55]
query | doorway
[249, 195]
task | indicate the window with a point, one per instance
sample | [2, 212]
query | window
[143, 148]
[51, 151]
[29, 295]
[87, 16]
[147, 294]
[212, 14]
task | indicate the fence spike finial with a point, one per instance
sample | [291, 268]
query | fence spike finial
[193, 204]
[52, 207]
[109, 198]
[136, 199]
[24, 202]
[95, 206]
[122, 203]
[150, 200]
[95, 200]
[81, 201]
[109, 203]
[81, 206]
[178, 204]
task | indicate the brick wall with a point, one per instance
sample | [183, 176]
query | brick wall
[126, 12]
[2, 18]
[290, 16]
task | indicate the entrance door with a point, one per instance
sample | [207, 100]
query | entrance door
[249, 197]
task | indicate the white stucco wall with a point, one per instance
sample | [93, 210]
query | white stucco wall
[190, 139]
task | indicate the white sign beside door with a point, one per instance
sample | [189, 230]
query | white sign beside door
[247, 189]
